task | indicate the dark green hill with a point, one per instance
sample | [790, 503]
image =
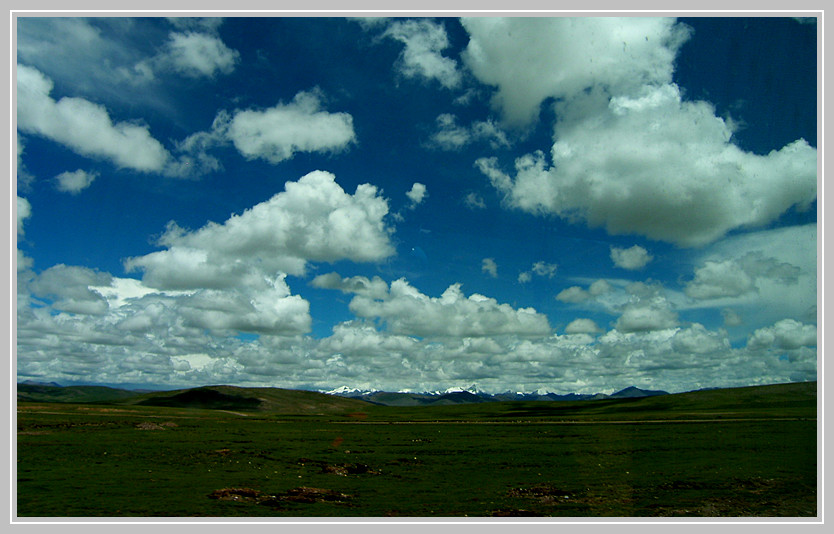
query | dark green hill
[287, 401]
[780, 400]
[205, 398]
[78, 394]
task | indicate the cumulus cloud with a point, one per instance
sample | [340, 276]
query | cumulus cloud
[269, 310]
[363, 341]
[696, 339]
[416, 194]
[69, 288]
[24, 211]
[277, 133]
[530, 59]
[375, 288]
[424, 41]
[206, 24]
[24, 177]
[176, 338]
[647, 310]
[576, 294]
[489, 266]
[84, 127]
[658, 166]
[540, 268]
[80, 53]
[196, 54]
[76, 181]
[632, 258]
[787, 334]
[408, 312]
[739, 276]
[731, 317]
[452, 136]
[582, 326]
[314, 219]
[474, 201]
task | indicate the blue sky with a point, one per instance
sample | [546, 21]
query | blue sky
[540, 203]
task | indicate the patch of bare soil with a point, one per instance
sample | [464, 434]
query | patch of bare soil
[343, 469]
[543, 493]
[736, 497]
[303, 494]
[147, 425]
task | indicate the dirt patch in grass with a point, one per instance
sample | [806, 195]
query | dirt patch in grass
[147, 425]
[302, 494]
[735, 497]
[343, 469]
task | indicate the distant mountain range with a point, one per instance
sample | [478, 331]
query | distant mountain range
[472, 395]
[791, 398]
[51, 391]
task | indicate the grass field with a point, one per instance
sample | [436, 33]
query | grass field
[749, 452]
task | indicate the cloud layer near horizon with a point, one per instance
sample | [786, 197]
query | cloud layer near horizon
[244, 300]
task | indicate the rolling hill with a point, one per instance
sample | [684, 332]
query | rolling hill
[631, 403]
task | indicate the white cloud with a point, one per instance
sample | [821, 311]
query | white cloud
[647, 310]
[761, 276]
[474, 201]
[489, 266]
[196, 54]
[424, 41]
[314, 219]
[277, 133]
[417, 193]
[731, 317]
[362, 340]
[582, 326]
[658, 166]
[78, 52]
[369, 23]
[268, 310]
[530, 59]
[24, 211]
[786, 334]
[540, 268]
[698, 340]
[739, 276]
[576, 294]
[408, 312]
[632, 258]
[24, 177]
[719, 279]
[146, 336]
[375, 288]
[84, 127]
[452, 136]
[69, 288]
[75, 182]
[207, 24]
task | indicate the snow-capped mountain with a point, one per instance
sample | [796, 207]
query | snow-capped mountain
[470, 394]
[347, 391]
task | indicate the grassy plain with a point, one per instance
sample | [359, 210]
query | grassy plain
[748, 452]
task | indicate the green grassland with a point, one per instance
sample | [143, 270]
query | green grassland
[244, 452]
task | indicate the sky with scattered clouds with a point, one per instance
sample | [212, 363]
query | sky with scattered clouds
[547, 203]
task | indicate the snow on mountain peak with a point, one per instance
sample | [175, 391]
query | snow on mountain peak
[457, 389]
[347, 390]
